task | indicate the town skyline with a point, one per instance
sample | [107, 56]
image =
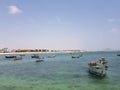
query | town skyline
[7, 50]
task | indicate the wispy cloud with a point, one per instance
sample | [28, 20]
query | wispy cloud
[114, 20]
[14, 10]
[114, 31]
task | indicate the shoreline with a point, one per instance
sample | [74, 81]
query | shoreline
[50, 52]
[32, 52]
[24, 53]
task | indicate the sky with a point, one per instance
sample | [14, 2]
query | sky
[60, 24]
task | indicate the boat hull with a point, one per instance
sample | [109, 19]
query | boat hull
[39, 60]
[10, 56]
[96, 72]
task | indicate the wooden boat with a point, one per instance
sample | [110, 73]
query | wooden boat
[98, 68]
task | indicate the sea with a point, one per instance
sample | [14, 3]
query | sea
[61, 72]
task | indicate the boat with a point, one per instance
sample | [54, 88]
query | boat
[35, 56]
[22, 54]
[40, 59]
[98, 68]
[118, 54]
[77, 56]
[53, 56]
[10, 56]
[18, 57]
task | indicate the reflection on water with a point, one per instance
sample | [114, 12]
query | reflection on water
[59, 73]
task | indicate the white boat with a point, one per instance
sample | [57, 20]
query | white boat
[40, 59]
[98, 68]
[52, 56]
[18, 57]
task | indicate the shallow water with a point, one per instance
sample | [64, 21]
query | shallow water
[59, 73]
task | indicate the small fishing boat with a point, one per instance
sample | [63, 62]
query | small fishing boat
[22, 54]
[52, 56]
[98, 68]
[10, 56]
[77, 56]
[118, 54]
[35, 56]
[39, 60]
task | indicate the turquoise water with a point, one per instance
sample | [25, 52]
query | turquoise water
[59, 73]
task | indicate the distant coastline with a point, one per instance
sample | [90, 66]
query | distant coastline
[60, 51]
[33, 52]
[7, 51]
[23, 53]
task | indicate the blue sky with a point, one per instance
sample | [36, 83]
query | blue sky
[60, 24]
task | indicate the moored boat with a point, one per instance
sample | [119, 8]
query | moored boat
[22, 54]
[98, 68]
[35, 56]
[10, 56]
[52, 56]
[118, 54]
[77, 56]
[39, 60]
[18, 57]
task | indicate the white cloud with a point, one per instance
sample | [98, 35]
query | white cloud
[14, 10]
[115, 30]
